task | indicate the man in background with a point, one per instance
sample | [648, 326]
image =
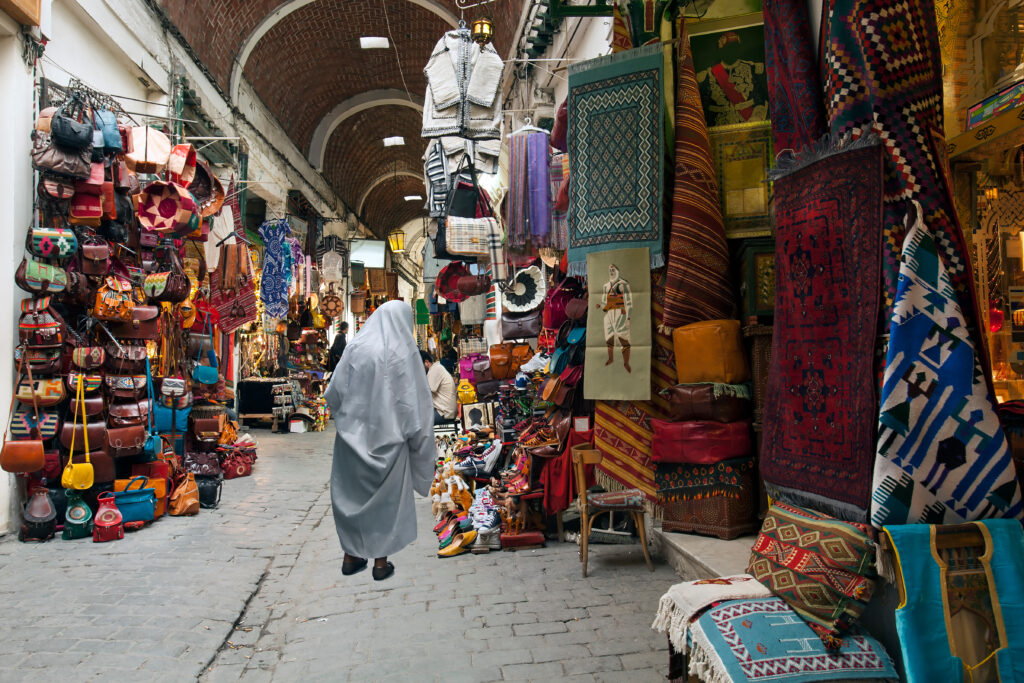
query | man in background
[338, 347]
[442, 389]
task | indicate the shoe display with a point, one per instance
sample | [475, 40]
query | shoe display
[459, 545]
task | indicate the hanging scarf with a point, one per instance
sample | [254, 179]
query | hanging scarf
[529, 205]
[276, 270]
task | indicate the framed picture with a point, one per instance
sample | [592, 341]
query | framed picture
[476, 416]
[708, 10]
[728, 58]
[742, 155]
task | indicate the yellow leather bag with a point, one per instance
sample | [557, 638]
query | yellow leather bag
[710, 351]
[78, 475]
[467, 393]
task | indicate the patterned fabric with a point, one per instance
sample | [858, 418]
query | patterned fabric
[629, 499]
[616, 145]
[529, 192]
[518, 209]
[686, 600]
[698, 285]
[882, 73]
[794, 93]
[819, 416]
[822, 567]
[677, 482]
[275, 274]
[622, 429]
[558, 171]
[763, 640]
[942, 456]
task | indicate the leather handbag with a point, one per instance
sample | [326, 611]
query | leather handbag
[170, 283]
[482, 371]
[488, 389]
[209, 491]
[40, 326]
[710, 351]
[158, 485]
[708, 402]
[114, 300]
[67, 131]
[93, 185]
[521, 353]
[148, 150]
[200, 462]
[102, 465]
[129, 413]
[55, 188]
[206, 374]
[556, 300]
[137, 501]
[106, 121]
[576, 309]
[77, 517]
[78, 475]
[96, 257]
[51, 242]
[95, 406]
[467, 363]
[49, 157]
[144, 325]
[126, 386]
[40, 278]
[76, 437]
[699, 443]
[502, 364]
[88, 357]
[108, 524]
[125, 359]
[208, 429]
[79, 291]
[39, 516]
[184, 499]
[90, 381]
[85, 210]
[236, 465]
[473, 285]
[46, 361]
[520, 325]
[124, 442]
[26, 424]
[43, 393]
[27, 455]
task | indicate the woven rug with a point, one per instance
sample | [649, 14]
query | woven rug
[684, 601]
[622, 429]
[763, 639]
[881, 72]
[616, 155]
[698, 285]
[794, 90]
[820, 410]
[677, 482]
[942, 456]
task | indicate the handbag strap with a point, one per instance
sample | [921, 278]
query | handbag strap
[80, 408]
[14, 394]
[152, 398]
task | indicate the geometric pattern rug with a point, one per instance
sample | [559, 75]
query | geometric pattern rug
[942, 455]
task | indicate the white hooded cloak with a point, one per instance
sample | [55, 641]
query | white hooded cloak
[384, 449]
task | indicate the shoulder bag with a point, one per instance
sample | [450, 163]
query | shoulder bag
[51, 158]
[520, 325]
[171, 285]
[144, 325]
[185, 497]
[502, 364]
[206, 374]
[51, 242]
[23, 455]
[40, 278]
[114, 300]
[40, 326]
[125, 359]
[78, 475]
[95, 256]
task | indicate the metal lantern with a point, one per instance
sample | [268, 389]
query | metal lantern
[483, 30]
[396, 239]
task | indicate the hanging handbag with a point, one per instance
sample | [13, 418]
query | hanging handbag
[40, 278]
[93, 185]
[48, 157]
[136, 503]
[39, 516]
[77, 517]
[85, 210]
[154, 444]
[184, 499]
[47, 361]
[469, 236]
[502, 364]
[90, 382]
[55, 189]
[126, 386]
[43, 392]
[114, 300]
[79, 292]
[708, 402]
[125, 359]
[209, 491]
[95, 256]
[22, 455]
[79, 475]
[148, 150]
[124, 442]
[236, 308]
[51, 242]
[170, 283]
[129, 413]
[106, 121]
[556, 300]
[520, 325]
[67, 131]
[40, 326]
[26, 425]
[206, 374]
[108, 524]
[144, 325]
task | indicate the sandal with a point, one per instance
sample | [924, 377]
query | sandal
[381, 573]
[350, 568]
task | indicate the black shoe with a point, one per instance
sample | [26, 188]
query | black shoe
[350, 568]
[381, 573]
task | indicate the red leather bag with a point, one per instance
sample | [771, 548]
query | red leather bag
[556, 300]
[699, 443]
[236, 465]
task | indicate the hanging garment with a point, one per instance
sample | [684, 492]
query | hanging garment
[529, 192]
[384, 449]
[942, 455]
[463, 89]
[962, 614]
[276, 271]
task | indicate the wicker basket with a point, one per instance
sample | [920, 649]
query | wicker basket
[719, 516]
[759, 344]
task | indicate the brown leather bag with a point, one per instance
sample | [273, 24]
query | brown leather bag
[97, 432]
[708, 402]
[102, 465]
[145, 324]
[22, 456]
[125, 359]
[125, 442]
[502, 364]
[521, 353]
[185, 498]
[129, 413]
[96, 257]
[521, 325]
[114, 300]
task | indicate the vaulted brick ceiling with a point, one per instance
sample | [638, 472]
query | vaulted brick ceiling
[308, 61]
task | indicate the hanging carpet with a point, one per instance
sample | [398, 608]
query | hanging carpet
[616, 155]
[794, 89]
[820, 409]
[942, 456]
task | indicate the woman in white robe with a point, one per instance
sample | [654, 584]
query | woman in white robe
[384, 449]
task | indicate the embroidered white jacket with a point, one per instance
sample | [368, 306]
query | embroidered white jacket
[463, 80]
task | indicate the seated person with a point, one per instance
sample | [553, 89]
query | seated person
[442, 389]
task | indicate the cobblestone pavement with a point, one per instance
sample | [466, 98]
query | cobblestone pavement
[253, 591]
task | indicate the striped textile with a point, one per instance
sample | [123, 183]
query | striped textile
[518, 210]
[557, 173]
[622, 429]
[697, 281]
[470, 236]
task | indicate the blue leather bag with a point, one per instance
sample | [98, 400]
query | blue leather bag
[136, 504]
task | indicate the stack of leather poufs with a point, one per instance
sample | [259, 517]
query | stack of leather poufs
[703, 453]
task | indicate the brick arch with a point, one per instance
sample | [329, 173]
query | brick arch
[356, 153]
[385, 208]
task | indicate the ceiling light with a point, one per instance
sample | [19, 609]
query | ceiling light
[394, 141]
[413, 198]
[373, 42]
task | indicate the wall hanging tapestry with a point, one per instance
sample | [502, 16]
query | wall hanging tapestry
[529, 191]
[731, 75]
[677, 482]
[618, 357]
[743, 155]
[616, 155]
[697, 285]
[797, 111]
[622, 429]
[276, 273]
[942, 455]
[763, 639]
[820, 410]
[882, 73]
[558, 172]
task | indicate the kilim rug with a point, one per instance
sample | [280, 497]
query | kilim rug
[763, 639]
[820, 408]
[684, 601]
[616, 155]
[697, 285]
[881, 72]
[942, 456]
[794, 89]
[677, 482]
[622, 429]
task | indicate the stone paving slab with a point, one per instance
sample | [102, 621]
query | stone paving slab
[253, 591]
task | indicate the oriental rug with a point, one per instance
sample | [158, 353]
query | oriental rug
[616, 155]
[622, 429]
[882, 73]
[685, 601]
[820, 406]
[697, 284]
[677, 482]
[794, 88]
[942, 455]
[763, 639]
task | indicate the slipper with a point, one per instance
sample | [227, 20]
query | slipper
[381, 573]
[348, 569]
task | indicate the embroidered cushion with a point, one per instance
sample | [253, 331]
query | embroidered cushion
[822, 567]
[630, 499]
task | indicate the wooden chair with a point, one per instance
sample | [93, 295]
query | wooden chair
[591, 505]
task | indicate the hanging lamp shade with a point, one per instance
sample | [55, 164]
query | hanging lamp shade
[396, 240]
[483, 30]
